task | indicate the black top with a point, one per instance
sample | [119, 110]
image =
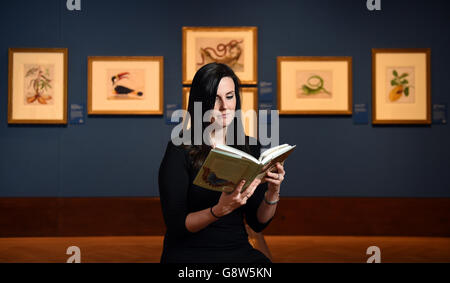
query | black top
[226, 239]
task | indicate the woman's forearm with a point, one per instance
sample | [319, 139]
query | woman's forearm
[267, 211]
[196, 221]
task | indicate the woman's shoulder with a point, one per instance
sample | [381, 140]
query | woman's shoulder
[171, 146]
[174, 154]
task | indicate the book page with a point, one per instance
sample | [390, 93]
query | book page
[274, 154]
[270, 150]
[271, 162]
[227, 148]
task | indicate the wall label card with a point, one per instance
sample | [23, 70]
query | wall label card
[360, 114]
[265, 91]
[170, 108]
[440, 114]
[77, 114]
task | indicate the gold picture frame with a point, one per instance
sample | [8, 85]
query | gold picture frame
[235, 46]
[125, 85]
[37, 86]
[249, 100]
[401, 86]
[314, 85]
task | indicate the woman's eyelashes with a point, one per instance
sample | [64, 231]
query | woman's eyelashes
[228, 97]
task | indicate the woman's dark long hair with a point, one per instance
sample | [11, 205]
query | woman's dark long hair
[204, 90]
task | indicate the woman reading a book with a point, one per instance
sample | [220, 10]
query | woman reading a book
[206, 226]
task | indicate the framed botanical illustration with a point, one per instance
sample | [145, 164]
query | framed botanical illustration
[401, 87]
[249, 101]
[234, 46]
[37, 86]
[315, 85]
[125, 85]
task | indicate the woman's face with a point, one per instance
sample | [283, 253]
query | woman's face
[225, 102]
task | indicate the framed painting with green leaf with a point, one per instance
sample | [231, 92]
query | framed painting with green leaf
[401, 86]
[315, 85]
[37, 86]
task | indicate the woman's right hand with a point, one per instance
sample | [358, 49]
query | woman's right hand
[230, 201]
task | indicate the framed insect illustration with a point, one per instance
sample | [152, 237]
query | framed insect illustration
[233, 46]
[249, 107]
[125, 85]
[401, 90]
[315, 85]
[37, 92]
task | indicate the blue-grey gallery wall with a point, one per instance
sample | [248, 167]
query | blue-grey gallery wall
[120, 155]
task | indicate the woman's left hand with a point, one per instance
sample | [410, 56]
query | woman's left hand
[274, 179]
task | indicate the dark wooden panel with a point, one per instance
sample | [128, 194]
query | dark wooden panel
[362, 216]
[28, 217]
[110, 216]
[295, 216]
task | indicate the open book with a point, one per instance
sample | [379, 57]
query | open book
[226, 166]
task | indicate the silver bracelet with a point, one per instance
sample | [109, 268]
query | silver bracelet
[271, 202]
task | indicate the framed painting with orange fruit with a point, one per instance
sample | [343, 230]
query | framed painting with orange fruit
[401, 92]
